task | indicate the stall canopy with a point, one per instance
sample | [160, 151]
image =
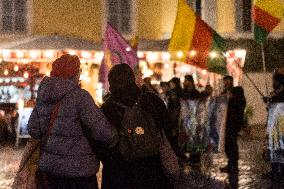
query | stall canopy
[56, 42]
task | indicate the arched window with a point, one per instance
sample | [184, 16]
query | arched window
[13, 15]
[120, 15]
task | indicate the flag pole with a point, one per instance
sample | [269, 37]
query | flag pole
[264, 67]
[248, 77]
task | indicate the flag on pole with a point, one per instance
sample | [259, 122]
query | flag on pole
[116, 51]
[202, 46]
[267, 14]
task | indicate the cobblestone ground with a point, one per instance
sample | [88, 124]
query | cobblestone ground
[251, 166]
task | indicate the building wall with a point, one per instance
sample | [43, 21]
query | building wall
[149, 19]
[78, 18]
[225, 16]
[254, 99]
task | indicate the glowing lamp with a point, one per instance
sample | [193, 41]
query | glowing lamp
[166, 56]
[16, 68]
[192, 53]
[86, 55]
[6, 72]
[26, 75]
[180, 54]
[6, 53]
[49, 54]
[20, 54]
[152, 56]
[140, 54]
[213, 54]
[34, 54]
[47, 73]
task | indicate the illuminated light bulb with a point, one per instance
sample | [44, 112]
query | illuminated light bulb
[72, 52]
[166, 56]
[166, 66]
[33, 54]
[26, 75]
[192, 53]
[49, 54]
[21, 104]
[99, 56]
[6, 53]
[86, 55]
[47, 73]
[204, 72]
[20, 54]
[140, 54]
[16, 68]
[152, 56]
[128, 49]
[25, 61]
[213, 54]
[83, 61]
[6, 72]
[180, 54]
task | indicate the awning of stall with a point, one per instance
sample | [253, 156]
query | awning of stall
[55, 42]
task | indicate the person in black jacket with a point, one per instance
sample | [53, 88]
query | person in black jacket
[147, 172]
[234, 122]
[189, 90]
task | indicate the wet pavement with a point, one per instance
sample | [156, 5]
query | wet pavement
[251, 167]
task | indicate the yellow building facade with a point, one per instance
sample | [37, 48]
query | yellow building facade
[149, 19]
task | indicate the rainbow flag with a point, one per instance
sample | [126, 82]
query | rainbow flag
[267, 14]
[202, 46]
[116, 51]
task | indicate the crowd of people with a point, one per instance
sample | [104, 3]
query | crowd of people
[125, 133]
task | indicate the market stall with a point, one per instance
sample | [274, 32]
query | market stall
[25, 62]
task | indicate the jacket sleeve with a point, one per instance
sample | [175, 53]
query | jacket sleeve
[34, 125]
[94, 119]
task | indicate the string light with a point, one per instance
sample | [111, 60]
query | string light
[20, 54]
[16, 68]
[192, 53]
[204, 72]
[180, 54]
[99, 56]
[26, 75]
[34, 54]
[72, 52]
[152, 56]
[166, 56]
[6, 72]
[213, 54]
[47, 73]
[86, 55]
[6, 53]
[128, 49]
[49, 54]
[140, 54]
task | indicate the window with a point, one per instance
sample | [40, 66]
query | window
[14, 16]
[119, 15]
[243, 15]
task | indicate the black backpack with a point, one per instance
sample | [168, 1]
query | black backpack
[139, 135]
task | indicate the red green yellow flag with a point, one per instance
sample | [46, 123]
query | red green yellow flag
[202, 46]
[267, 14]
